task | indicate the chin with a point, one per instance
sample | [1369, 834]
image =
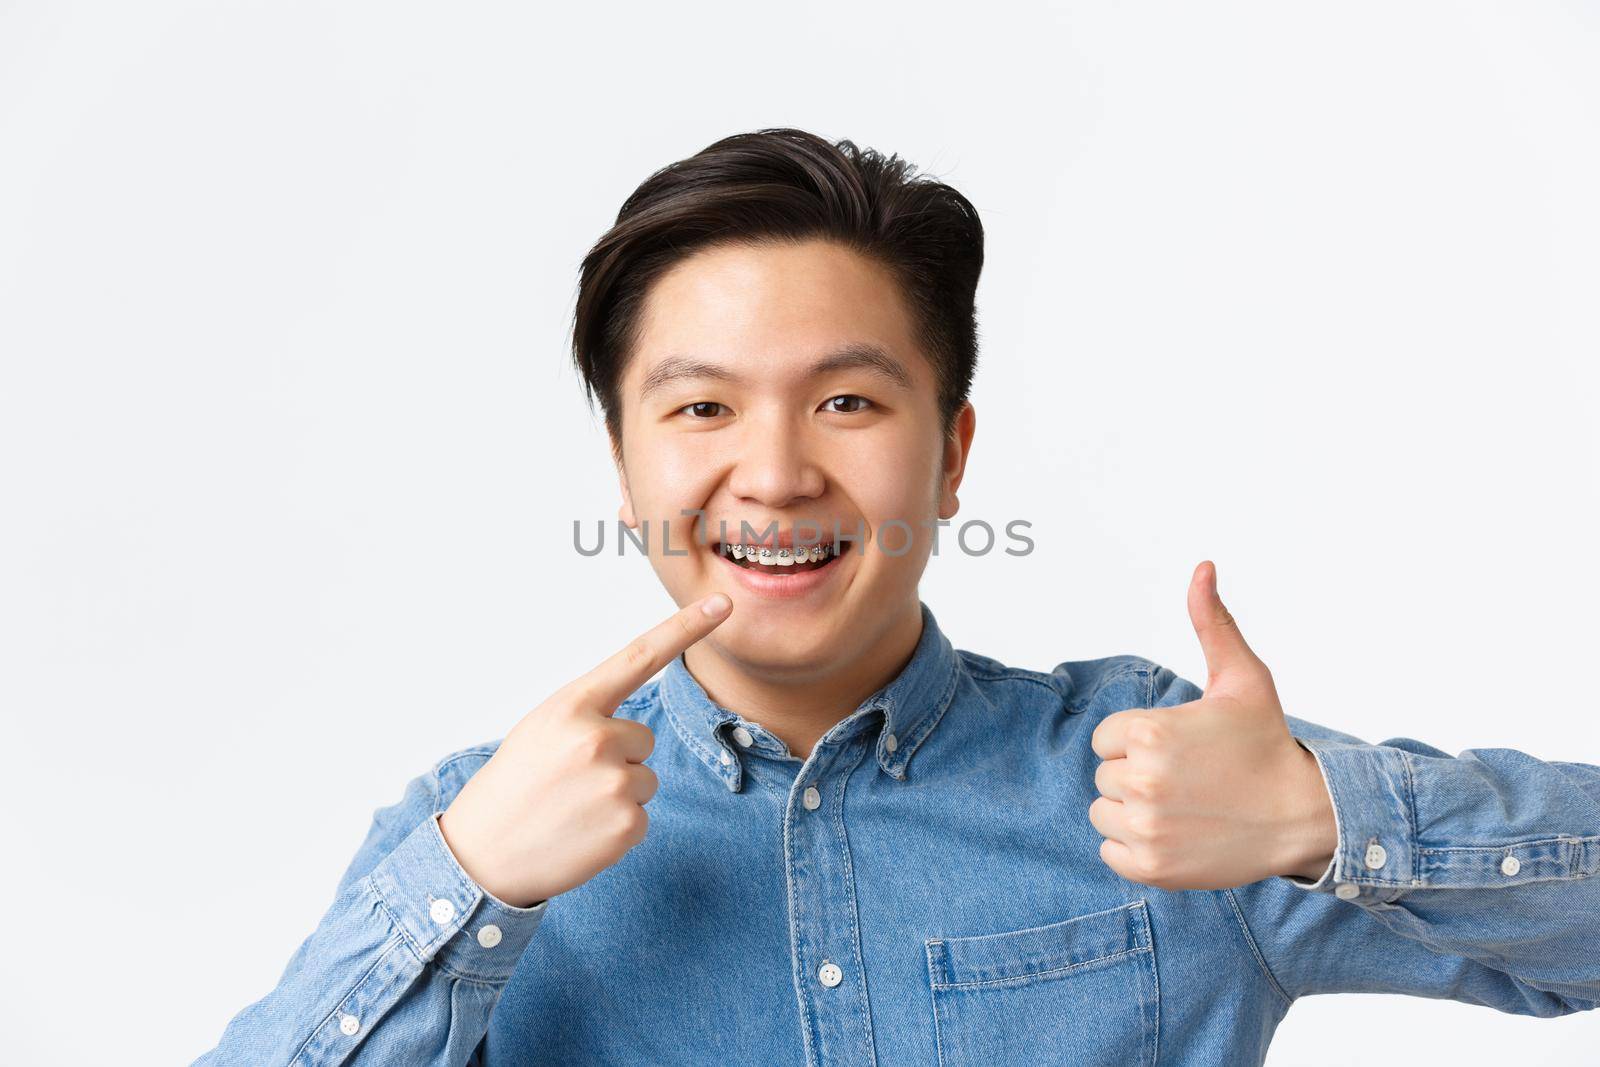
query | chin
[762, 656]
[767, 643]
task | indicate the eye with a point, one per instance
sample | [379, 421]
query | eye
[852, 402]
[702, 409]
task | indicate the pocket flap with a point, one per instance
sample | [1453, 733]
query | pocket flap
[1060, 946]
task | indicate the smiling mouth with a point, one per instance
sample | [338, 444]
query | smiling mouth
[780, 561]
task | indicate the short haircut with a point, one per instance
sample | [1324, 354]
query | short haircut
[786, 184]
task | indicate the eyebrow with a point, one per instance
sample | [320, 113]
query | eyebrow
[859, 355]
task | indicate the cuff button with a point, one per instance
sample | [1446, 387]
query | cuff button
[1510, 866]
[1346, 890]
[442, 911]
[1376, 856]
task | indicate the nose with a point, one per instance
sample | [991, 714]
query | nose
[776, 466]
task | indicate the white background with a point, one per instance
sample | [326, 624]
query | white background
[291, 446]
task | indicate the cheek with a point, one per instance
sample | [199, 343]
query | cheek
[665, 486]
[908, 494]
[669, 480]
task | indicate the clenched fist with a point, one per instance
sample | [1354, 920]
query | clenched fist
[563, 796]
[1214, 793]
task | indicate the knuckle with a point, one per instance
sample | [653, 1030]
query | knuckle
[685, 627]
[638, 654]
[618, 782]
[593, 744]
[1143, 824]
[1147, 868]
[1150, 733]
[1145, 786]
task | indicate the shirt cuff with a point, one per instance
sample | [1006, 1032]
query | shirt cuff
[444, 915]
[1370, 788]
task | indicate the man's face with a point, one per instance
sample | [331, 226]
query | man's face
[728, 408]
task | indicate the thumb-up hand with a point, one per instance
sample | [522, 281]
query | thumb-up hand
[1214, 793]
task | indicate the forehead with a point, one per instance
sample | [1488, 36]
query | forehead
[772, 303]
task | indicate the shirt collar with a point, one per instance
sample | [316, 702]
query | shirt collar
[911, 706]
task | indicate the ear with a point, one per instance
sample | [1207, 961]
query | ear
[956, 448]
[625, 512]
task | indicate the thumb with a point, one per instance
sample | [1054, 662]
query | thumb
[1227, 655]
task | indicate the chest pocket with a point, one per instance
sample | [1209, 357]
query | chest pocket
[1082, 991]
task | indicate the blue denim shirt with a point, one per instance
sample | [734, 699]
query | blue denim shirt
[926, 888]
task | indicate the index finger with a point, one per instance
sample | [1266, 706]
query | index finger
[609, 684]
[1110, 738]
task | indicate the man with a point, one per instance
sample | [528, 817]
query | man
[823, 835]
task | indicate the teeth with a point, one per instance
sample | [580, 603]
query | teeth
[781, 557]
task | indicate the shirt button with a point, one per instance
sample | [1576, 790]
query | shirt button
[1346, 890]
[811, 798]
[741, 735]
[830, 974]
[1376, 856]
[1510, 866]
[725, 756]
[348, 1025]
[489, 936]
[442, 911]
[890, 743]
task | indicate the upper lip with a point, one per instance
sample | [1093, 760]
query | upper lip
[809, 535]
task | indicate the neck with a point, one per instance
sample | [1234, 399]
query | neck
[800, 707]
